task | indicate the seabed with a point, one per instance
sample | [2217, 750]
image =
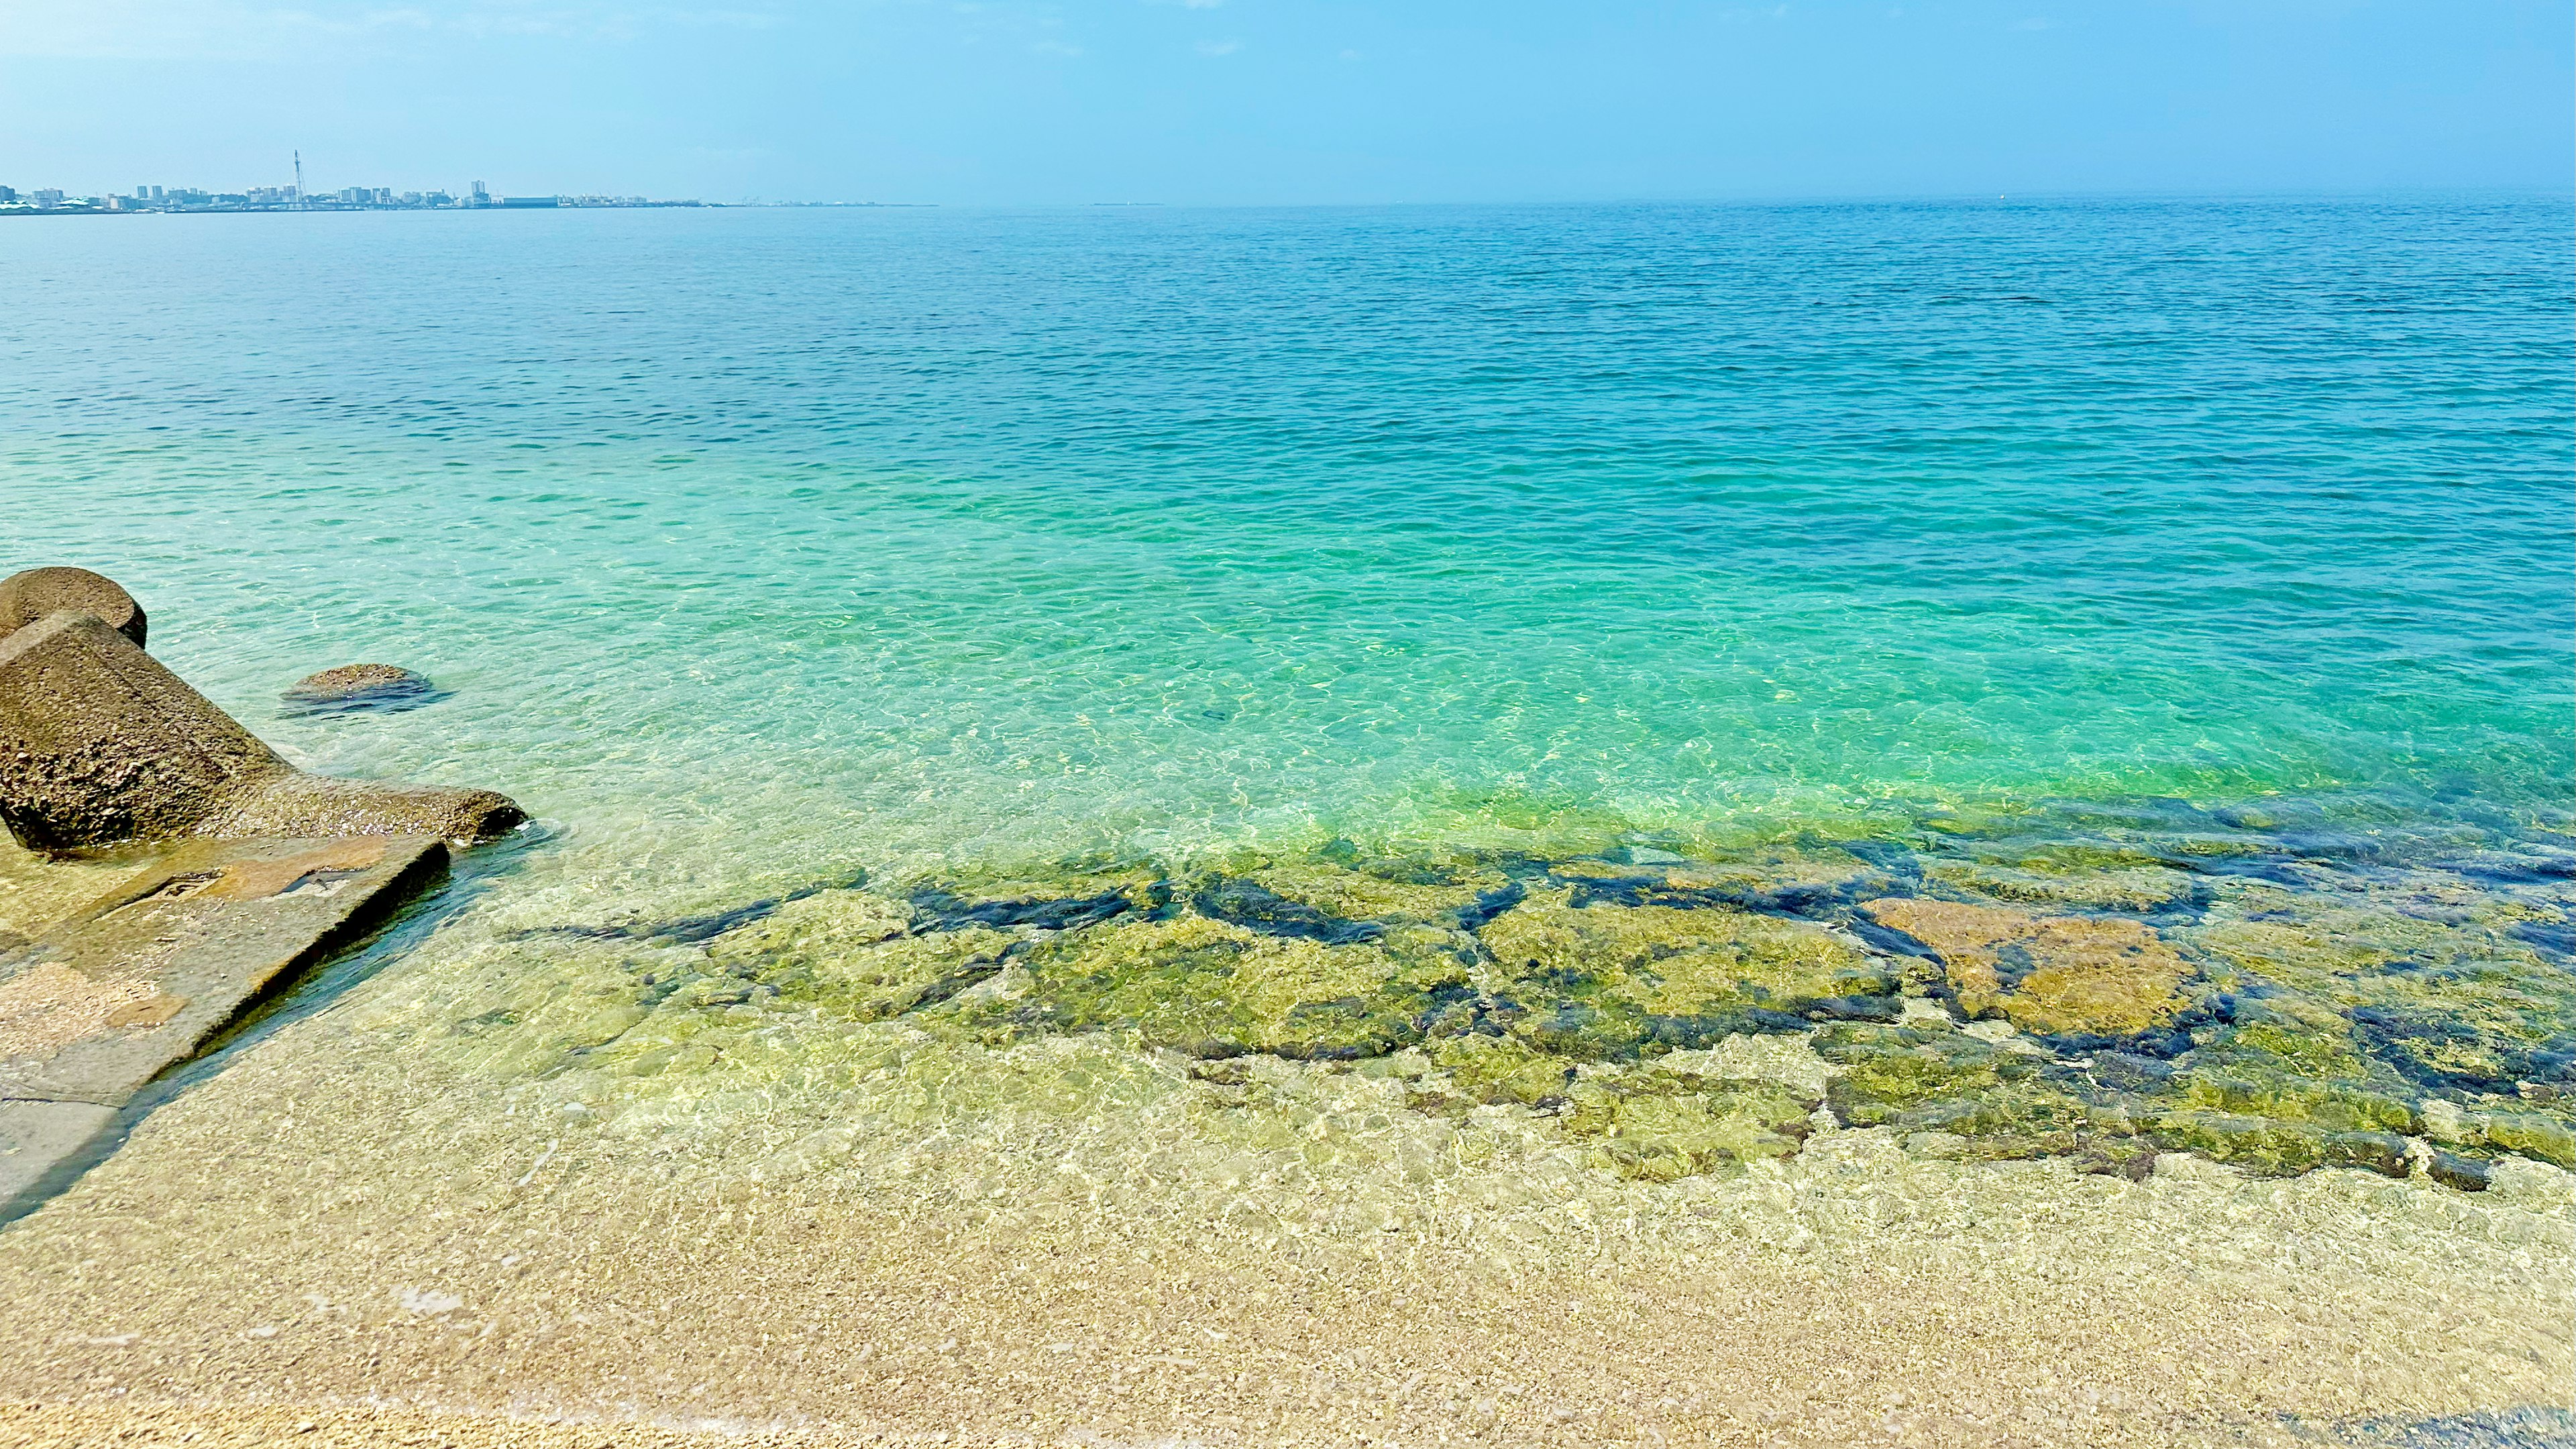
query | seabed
[2158, 1126]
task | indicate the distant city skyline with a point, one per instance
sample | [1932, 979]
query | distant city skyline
[1251, 101]
[157, 197]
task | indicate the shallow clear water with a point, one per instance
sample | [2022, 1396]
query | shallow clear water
[911, 534]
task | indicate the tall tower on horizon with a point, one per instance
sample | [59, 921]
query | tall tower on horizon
[299, 180]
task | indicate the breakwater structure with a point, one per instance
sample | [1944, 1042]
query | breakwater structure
[246, 871]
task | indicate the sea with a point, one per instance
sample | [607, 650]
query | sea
[1267, 806]
[781, 538]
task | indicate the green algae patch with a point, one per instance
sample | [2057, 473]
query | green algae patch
[1602, 1003]
[2273, 1148]
[2064, 976]
[2452, 1006]
[850, 955]
[1603, 981]
[1661, 1126]
[1211, 989]
[1938, 1080]
[1492, 1070]
[1412, 891]
[2002, 1102]
[2142, 889]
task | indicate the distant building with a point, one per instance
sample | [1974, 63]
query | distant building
[49, 196]
[8, 194]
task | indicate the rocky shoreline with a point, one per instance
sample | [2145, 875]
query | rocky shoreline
[2274, 1009]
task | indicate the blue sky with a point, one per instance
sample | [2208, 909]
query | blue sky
[1290, 101]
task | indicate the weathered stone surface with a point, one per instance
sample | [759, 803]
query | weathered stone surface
[100, 743]
[2067, 976]
[354, 687]
[32, 594]
[318, 805]
[147, 973]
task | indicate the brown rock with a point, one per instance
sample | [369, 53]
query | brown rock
[2073, 975]
[359, 686]
[31, 594]
[100, 743]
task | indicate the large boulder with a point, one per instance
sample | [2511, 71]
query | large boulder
[100, 743]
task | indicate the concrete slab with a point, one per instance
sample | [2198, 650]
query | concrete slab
[146, 974]
[36, 1137]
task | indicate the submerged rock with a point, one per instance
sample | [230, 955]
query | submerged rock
[1668, 1019]
[2083, 977]
[1661, 1125]
[854, 956]
[1212, 988]
[1607, 981]
[355, 687]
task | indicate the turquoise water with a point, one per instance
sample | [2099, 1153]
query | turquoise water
[752, 539]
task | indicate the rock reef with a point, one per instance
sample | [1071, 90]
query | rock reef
[1978, 999]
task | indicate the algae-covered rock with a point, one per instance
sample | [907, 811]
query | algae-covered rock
[1780, 881]
[852, 954]
[1661, 1126]
[2080, 977]
[1213, 989]
[1937, 1080]
[815, 930]
[1417, 891]
[2274, 1148]
[2456, 1006]
[1497, 1069]
[2546, 1138]
[1605, 981]
[1067, 901]
[2144, 889]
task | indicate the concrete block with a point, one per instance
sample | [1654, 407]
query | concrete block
[36, 1138]
[31, 594]
[100, 743]
[151, 971]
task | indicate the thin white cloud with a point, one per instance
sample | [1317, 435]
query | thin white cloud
[1219, 47]
[220, 31]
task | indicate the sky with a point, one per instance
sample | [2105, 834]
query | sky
[1260, 102]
